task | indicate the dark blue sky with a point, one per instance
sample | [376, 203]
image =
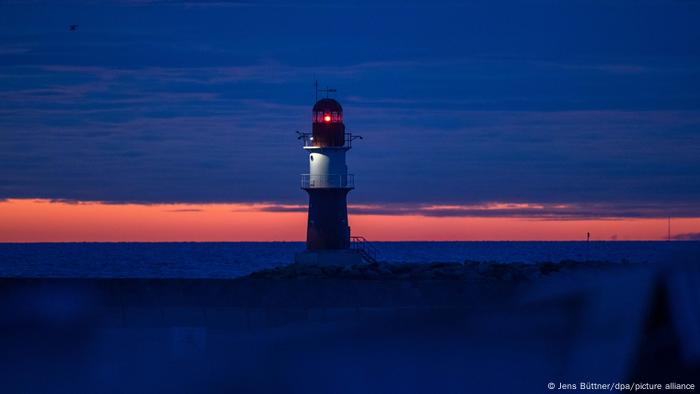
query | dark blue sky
[594, 103]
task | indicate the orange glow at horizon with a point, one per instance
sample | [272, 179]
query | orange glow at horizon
[24, 220]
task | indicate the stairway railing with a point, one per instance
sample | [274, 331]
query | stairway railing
[368, 251]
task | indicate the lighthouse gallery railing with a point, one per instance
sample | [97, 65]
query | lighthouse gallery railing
[308, 140]
[309, 181]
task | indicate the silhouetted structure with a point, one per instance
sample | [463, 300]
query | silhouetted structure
[328, 183]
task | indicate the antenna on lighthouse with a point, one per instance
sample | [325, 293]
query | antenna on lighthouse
[327, 90]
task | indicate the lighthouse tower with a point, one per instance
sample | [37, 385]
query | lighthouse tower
[328, 184]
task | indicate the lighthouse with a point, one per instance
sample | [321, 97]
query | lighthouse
[328, 183]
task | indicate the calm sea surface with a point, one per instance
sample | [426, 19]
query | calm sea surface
[225, 260]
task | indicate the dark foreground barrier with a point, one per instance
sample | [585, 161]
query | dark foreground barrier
[430, 328]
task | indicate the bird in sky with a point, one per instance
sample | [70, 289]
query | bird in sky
[73, 27]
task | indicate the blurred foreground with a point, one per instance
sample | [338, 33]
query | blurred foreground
[382, 328]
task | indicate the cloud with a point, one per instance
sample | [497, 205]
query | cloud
[272, 207]
[541, 211]
[527, 211]
[245, 150]
[687, 237]
[201, 107]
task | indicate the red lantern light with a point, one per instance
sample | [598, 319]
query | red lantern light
[327, 118]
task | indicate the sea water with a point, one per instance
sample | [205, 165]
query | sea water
[235, 259]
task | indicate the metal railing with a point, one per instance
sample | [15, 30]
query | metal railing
[309, 181]
[369, 252]
[308, 140]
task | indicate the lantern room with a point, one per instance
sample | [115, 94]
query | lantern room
[327, 111]
[328, 128]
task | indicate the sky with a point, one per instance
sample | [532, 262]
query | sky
[481, 119]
